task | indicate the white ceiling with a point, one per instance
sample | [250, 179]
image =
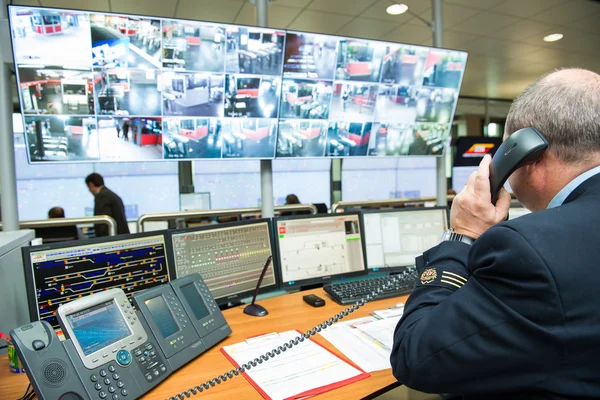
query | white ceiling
[503, 37]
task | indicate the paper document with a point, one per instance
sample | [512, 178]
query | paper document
[358, 347]
[304, 370]
[381, 331]
[389, 313]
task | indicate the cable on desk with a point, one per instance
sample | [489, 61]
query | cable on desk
[284, 347]
[29, 393]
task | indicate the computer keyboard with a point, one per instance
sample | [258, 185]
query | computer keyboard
[351, 292]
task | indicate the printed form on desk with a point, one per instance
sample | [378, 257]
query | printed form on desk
[305, 370]
[366, 341]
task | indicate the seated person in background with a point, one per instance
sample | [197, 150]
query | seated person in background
[58, 233]
[293, 199]
[514, 311]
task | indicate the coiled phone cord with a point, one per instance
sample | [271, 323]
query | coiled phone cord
[284, 347]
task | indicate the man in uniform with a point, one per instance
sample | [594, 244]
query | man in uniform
[512, 309]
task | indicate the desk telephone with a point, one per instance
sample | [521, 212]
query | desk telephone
[126, 362]
[112, 351]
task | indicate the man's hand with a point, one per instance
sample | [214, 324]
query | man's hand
[472, 210]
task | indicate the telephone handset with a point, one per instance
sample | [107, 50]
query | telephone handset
[294, 342]
[97, 359]
[523, 147]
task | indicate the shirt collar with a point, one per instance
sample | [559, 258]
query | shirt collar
[566, 191]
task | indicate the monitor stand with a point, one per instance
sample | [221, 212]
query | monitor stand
[313, 286]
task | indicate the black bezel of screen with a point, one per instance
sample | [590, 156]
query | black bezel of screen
[395, 268]
[28, 268]
[329, 278]
[238, 296]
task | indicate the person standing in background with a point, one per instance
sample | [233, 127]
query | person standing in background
[106, 202]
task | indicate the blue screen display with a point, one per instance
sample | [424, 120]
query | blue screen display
[98, 327]
[162, 316]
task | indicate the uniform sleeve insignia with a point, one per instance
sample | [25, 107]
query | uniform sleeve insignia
[428, 276]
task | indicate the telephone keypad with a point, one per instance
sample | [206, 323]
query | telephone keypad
[110, 386]
[150, 363]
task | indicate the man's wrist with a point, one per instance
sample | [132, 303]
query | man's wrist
[452, 235]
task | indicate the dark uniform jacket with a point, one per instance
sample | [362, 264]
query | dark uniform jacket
[514, 316]
[109, 203]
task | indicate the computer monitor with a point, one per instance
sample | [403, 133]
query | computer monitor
[315, 249]
[229, 257]
[395, 238]
[57, 234]
[194, 201]
[60, 272]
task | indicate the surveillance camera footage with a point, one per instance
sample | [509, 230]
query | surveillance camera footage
[38, 33]
[444, 68]
[407, 139]
[435, 105]
[61, 138]
[193, 46]
[301, 138]
[106, 87]
[131, 139]
[254, 51]
[122, 41]
[305, 99]
[192, 94]
[192, 138]
[252, 96]
[348, 139]
[124, 92]
[309, 56]
[403, 65]
[353, 102]
[249, 138]
[396, 104]
[52, 91]
[359, 60]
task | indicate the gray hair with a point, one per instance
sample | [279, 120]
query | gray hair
[565, 107]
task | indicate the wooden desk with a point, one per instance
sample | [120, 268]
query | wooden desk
[285, 313]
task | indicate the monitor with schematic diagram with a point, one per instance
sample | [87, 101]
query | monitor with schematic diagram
[229, 257]
[316, 249]
[140, 88]
[394, 238]
[58, 273]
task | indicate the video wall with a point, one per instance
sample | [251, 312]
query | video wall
[100, 87]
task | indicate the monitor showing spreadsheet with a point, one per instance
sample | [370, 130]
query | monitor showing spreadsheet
[229, 257]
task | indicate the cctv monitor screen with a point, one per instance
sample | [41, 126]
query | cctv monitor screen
[62, 272]
[317, 249]
[229, 257]
[98, 86]
[395, 238]
[345, 97]
[139, 88]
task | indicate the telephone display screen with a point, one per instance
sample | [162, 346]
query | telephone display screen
[98, 327]
[162, 315]
[195, 301]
